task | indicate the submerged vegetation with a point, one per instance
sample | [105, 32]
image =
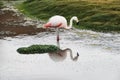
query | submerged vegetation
[38, 49]
[102, 15]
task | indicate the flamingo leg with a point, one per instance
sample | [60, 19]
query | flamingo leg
[58, 38]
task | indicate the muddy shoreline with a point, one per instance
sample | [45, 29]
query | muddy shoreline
[14, 23]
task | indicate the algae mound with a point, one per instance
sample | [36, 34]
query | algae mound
[37, 49]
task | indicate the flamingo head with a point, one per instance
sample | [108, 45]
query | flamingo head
[76, 19]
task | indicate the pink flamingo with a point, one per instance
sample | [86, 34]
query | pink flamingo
[59, 22]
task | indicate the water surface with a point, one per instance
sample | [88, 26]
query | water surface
[99, 57]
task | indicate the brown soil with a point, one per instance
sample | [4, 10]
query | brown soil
[10, 24]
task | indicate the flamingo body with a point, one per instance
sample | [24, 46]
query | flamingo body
[56, 22]
[59, 22]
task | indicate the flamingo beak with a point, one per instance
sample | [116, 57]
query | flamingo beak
[77, 54]
[78, 23]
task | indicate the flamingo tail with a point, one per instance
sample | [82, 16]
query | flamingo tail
[47, 25]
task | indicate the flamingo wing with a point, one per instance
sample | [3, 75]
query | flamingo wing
[47, 25]
[56, 22]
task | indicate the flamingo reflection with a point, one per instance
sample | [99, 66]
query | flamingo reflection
[62, 54]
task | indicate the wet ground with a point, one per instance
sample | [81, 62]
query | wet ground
[99, 56]
[13, 23]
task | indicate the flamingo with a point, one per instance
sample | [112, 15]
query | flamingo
[62, 54]
[58, 22]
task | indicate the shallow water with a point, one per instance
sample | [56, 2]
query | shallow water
[99, 57]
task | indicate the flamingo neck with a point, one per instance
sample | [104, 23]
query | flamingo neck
[70, 51]
[71, 55]
[70, 25]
